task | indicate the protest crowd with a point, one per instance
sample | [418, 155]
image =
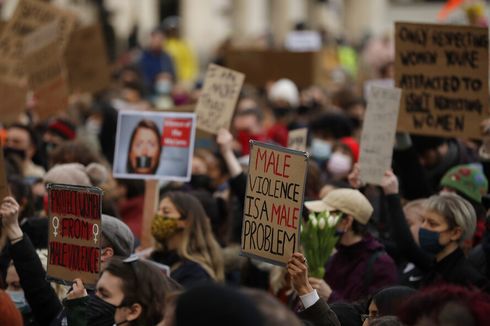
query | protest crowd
[158, 191]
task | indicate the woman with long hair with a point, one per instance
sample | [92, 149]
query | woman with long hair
[185, 240]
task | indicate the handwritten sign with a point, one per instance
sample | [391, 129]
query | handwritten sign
[42, 58]
[52, 98]
[86, 60]
[4, 186]
[13, 101]
[217, 102]
[74, 233]
[378, 133]
[443, 71]
[30, 15]
[273, 203]
[297, 139]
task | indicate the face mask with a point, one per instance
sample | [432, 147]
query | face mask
[163, 87]
[20, 301]
[163, 227]
[38, 203]
[320, 149]
[143, 162]
[280, 112]
[339, 164]
[49, 147]
[93, 127]
[14, 151]
[100, 312]
[429, 241]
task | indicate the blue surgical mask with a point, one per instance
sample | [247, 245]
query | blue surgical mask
[20, 301]
[429, 241]
[320, 149]
[163, 87]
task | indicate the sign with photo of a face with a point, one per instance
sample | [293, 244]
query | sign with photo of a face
[154, 145]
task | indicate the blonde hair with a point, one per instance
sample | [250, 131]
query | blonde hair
[199, 244]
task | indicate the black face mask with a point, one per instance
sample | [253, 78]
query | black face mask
[280, 112]
[7, 151]
[38, 203]
[143, 162]
[100, 312]
[201, 181]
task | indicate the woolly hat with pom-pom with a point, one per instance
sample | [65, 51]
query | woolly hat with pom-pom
[94, 174]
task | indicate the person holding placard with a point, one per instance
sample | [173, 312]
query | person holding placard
[144, 148]
[360, 266]
[448, 220]
[185, 240]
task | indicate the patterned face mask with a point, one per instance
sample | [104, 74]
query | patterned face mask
[163, 227]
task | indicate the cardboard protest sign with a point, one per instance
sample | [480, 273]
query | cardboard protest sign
[13, 101]
[297, 139]
[154, 145]
[42, 58]
[52, 98]
[443, 71]
[74, 233]
[217, 102]
[4, 186]
[86, 60]
[273, 203]
[378, 133]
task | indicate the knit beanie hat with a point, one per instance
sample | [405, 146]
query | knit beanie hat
[353, 146]
[94, 174]
[216, 305]
[467, 179]
[63, 128]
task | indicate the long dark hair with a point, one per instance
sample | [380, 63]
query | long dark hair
[148, 124]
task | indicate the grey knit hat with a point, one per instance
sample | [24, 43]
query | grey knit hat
[119, 236]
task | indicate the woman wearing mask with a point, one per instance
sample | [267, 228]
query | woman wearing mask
[186, 242]
[448, 220]
[345, 154]
[144, 148]
[129, 292]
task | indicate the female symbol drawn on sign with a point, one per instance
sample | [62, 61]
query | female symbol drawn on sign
[95, 231]
[56, 224]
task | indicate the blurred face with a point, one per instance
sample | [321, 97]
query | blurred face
[414, 218]
[373, 313]
[19, 139]
[144, 154]
[168, 209]
[109, 289]
[156, 41]
[435, 222]
[13, 280]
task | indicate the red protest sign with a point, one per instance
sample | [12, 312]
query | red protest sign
[74, 233]
[177, 132]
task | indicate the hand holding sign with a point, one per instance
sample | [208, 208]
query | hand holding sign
[9, 213]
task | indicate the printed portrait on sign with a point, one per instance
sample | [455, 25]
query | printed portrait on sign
[154, 145]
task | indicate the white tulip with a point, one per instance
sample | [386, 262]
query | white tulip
[332, 221]
[321, 223]
[314, 222]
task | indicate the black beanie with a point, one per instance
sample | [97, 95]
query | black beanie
[216, 305]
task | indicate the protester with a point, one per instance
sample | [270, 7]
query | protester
[22, 140]
[386, 302]
[360, 266]
[128, 292]
[185, 240]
